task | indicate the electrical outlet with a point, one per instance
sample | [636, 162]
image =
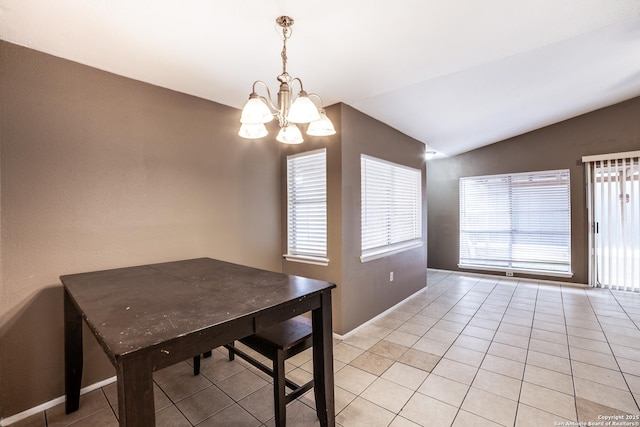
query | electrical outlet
[391, 276]
[509, 273]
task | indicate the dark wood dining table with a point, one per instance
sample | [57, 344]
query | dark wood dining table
[152, 316]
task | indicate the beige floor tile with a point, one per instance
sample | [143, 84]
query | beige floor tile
[260, 404]
[501, 385]
[589, 344]
[375, 331]
[233, 415]
[419, 359]
[405, 375]
[511, 339]
[625, 352]
[508, 352]
[604, 376]
[389, 322]
[549, 361]
[427, 345]
[90, 403]
[465, 355]
[594, 358]
[427, 411]
[547, 347]
[353, 379]
[402, 338]
[555, 337]
[388, 349]
[550, 326]
[456, 371]
[478, 332]
[299, 415]
[490, 406]
[399, 421]
[534, 417]
[585, 333]
[345, 352]
[464, 419]
[473, 343]
[362, 413]
[550, 379]
[441, 335]
[240, 385]
[592, 412]
[605, 395]
[204, 404]
[372, 363]
[523, 331]
[361, 341]
[177, 370]
[485, 323]
[219, 367]
[444, 389]
[171, 417]
[634, 382]
[503, 366]
[629, 366]
[387, 394]
[423, 320]
[560, 404]
[447, 325]
[413, 329]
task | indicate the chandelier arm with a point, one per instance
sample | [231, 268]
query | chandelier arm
[268, 98]
[299, 81]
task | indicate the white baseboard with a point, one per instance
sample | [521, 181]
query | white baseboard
[50, 404]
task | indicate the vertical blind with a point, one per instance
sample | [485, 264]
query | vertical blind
[391, 206]
[516, 222]
[614, 193]
[307, 204]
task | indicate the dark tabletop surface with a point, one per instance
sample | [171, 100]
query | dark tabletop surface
[137, 307]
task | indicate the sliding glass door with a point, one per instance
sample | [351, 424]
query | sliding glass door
[614, 211]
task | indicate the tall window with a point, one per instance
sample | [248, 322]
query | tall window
[307, 207]
[517, 222]
[391, 207]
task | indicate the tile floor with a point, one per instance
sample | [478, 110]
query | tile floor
[466, 351]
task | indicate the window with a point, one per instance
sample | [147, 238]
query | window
[391, 207]
[307, 207]
[517, 222]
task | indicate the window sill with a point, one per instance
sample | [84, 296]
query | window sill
[515, 270]
[390, 250]
[307, 259]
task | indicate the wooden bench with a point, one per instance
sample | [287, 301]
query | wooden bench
[277, 343]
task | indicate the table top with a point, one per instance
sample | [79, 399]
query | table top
[133, 308]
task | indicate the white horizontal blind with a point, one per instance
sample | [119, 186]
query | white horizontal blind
[516, 222]
[307, 204]
[391, 205]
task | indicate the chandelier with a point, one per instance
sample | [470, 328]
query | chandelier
[260, 110]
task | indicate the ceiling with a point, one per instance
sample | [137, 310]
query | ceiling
[456, 75]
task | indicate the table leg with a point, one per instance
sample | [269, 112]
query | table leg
[72, 354]
[323, 361]
[135, 394]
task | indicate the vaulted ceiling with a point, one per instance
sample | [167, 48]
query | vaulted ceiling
[455, 75]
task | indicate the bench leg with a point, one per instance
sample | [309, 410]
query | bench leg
[196, 365]
[279, 398]
[232, 355]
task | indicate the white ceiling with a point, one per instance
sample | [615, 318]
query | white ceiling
[455, 75]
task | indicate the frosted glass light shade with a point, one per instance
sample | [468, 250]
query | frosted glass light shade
[303, 110]
[290, 134]
[256, 111]
[322, 126]
[252, 131]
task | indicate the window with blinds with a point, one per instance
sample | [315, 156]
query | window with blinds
[391, 207]
[307, 207]
[518, 222]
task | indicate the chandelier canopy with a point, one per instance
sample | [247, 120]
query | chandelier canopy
[260, 110]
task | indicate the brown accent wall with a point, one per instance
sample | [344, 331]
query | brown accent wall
[364, 289]
[560, 146]
[100, 171]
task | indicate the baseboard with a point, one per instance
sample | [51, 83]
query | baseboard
[50, 404]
